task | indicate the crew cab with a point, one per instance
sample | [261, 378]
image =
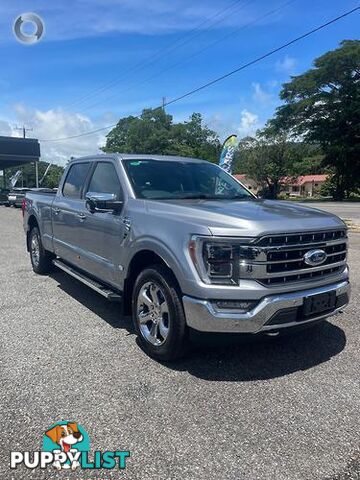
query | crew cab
[186, 247]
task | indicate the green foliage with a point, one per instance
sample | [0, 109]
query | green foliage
[323, 107]
[155, 133]
[269, 157]
[53, 176]
[28, 177]
[312, 165]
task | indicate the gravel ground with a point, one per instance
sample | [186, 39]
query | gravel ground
[281, 409]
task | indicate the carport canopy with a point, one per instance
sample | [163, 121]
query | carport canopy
[18, 151]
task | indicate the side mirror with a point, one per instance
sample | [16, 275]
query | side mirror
[102, 202]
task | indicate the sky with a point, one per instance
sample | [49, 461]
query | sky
[100, 60]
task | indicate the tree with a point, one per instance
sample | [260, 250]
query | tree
[28, 176]
[154, 132]
[194, 139]
[267, 158]
[53, 176]
[323, 106]
[148, 134]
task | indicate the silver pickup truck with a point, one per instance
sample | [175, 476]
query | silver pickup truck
[184, 246]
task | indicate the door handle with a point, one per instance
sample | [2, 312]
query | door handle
[127, 223]
[81, 216]
[56, 211]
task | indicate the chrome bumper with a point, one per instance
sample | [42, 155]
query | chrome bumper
[202, 315]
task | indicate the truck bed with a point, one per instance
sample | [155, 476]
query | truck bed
[42, 191]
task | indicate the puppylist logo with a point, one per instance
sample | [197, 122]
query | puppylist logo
[66, 446]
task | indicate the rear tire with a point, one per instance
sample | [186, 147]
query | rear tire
[41, 259]
[158, 314]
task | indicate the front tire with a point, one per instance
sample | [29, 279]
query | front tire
[158, 314]
[41, 259]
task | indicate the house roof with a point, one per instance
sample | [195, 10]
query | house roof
[302, 179]
[240, 176]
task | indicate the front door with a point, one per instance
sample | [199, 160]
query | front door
[102, 235]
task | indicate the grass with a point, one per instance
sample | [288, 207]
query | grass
[353, 227]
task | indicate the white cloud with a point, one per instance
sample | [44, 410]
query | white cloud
[58, 123]
[5, 128]
[287, 64]
[227, 125]
[85, 18]
[53, 124]
[249, 123]
[260, 95]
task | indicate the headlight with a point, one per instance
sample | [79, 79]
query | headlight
[217, 260]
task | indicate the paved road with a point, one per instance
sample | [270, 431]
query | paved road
[282, 409]
[348, 210]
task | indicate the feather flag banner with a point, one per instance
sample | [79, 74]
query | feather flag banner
[228, 154]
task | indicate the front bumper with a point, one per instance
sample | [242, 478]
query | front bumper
[272, 313]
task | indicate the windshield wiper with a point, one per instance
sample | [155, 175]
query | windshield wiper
[237, 197]
[204, 196]
[200, 196]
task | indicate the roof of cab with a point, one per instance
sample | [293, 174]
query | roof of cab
[138, 156]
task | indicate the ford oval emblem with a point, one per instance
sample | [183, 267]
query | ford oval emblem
[315, 257]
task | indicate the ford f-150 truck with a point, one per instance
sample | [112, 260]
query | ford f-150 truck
[187, 247]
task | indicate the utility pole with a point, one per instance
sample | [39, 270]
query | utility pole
[163, 103]
[24, 129]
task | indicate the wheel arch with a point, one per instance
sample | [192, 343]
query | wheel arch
[140, 261]
[31, 223]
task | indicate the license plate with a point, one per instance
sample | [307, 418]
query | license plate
[319, 303]
[11, 197]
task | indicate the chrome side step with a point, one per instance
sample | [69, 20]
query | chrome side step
[89, 282]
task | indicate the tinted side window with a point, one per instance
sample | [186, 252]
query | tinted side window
[105, 180]
[75, 180]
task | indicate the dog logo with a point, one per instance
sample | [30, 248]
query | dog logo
[69, 438]
[66, 445]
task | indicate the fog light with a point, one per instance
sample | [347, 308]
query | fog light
[243, 306]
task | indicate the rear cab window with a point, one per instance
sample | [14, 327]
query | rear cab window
[75, 180]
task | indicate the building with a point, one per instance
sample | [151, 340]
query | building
[248, 182]
[303, 186]
[16, 151]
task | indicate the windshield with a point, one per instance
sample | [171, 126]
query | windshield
[173, 179]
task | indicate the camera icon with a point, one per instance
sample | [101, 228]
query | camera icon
[24, 19]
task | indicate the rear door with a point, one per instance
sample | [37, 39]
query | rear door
[69, 214]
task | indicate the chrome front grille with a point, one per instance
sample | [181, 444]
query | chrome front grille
[279, 259]
[287, 261]
[301, 238]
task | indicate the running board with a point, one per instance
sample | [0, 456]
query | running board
[89, 282]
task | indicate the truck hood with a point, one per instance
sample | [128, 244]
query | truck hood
[247, 218]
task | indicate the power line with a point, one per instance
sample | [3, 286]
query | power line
[262, 57]
[24, 129]
[226, 75]
[195, 32]
[195, 54]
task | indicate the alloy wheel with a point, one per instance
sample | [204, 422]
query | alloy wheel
[153, 313]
